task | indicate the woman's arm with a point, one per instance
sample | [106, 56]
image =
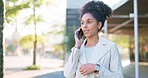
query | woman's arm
[115, 70]
[72, 63]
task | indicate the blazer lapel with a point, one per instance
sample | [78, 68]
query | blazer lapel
[82, 58]
[100, 50]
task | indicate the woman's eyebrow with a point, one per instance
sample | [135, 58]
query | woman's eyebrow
[88, 19]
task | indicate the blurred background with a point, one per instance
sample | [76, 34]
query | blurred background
[39, 35]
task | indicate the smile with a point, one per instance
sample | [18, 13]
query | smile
[85, 31]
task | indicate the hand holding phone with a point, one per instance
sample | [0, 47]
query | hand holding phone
[79, 38]
[80, 34]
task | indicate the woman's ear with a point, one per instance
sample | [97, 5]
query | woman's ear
[99, 24]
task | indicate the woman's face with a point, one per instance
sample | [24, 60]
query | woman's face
[89, 25]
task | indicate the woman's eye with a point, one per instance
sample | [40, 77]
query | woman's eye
[82, 23]
[89, 22]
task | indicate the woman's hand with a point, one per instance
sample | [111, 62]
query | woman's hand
[78, 42]
[88, 68]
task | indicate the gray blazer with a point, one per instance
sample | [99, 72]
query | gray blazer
[105, 54]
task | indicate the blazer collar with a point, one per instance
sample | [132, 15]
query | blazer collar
[100, 50]
[102, 41]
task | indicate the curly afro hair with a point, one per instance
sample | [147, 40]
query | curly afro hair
[98, 9]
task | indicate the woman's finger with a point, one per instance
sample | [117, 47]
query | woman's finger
[83, 72]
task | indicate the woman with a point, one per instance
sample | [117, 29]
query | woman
[94, 57]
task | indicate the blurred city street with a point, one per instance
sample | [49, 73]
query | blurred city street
[14, 65]
[129, 71]
[53, 68]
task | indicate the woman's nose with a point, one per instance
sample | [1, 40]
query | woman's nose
[84, 25]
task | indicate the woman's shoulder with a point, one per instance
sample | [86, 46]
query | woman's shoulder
[111, 43]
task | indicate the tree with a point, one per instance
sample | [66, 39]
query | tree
[13, 9]
[35, 20]
[1, 39]
[35, 35]
[27, 41]
[36, 4]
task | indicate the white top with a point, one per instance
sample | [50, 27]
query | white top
[88, 52]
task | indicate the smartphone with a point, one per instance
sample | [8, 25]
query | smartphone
[80, 34]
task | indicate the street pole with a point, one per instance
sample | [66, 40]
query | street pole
[136, 39]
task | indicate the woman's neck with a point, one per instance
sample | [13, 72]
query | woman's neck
[92, 41]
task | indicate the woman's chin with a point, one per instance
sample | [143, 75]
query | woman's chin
[87, 36]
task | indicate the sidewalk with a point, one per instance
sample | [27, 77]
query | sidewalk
[14, 66]
[53, 68]
[129, 71]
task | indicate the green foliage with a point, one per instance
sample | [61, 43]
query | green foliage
[1, 2]
[121, 40]
[12, 11]
[58, 48]
[58, 52]
[33, 67]
[12, 0]
[70, 41]
[27, 41]
[30, 19]
[132, 56]
[10, 48]
[145, 38]
[58, 28]
[41, 2]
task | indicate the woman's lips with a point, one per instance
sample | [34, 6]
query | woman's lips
[85, 31]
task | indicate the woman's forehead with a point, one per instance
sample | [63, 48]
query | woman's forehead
[87, 16]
